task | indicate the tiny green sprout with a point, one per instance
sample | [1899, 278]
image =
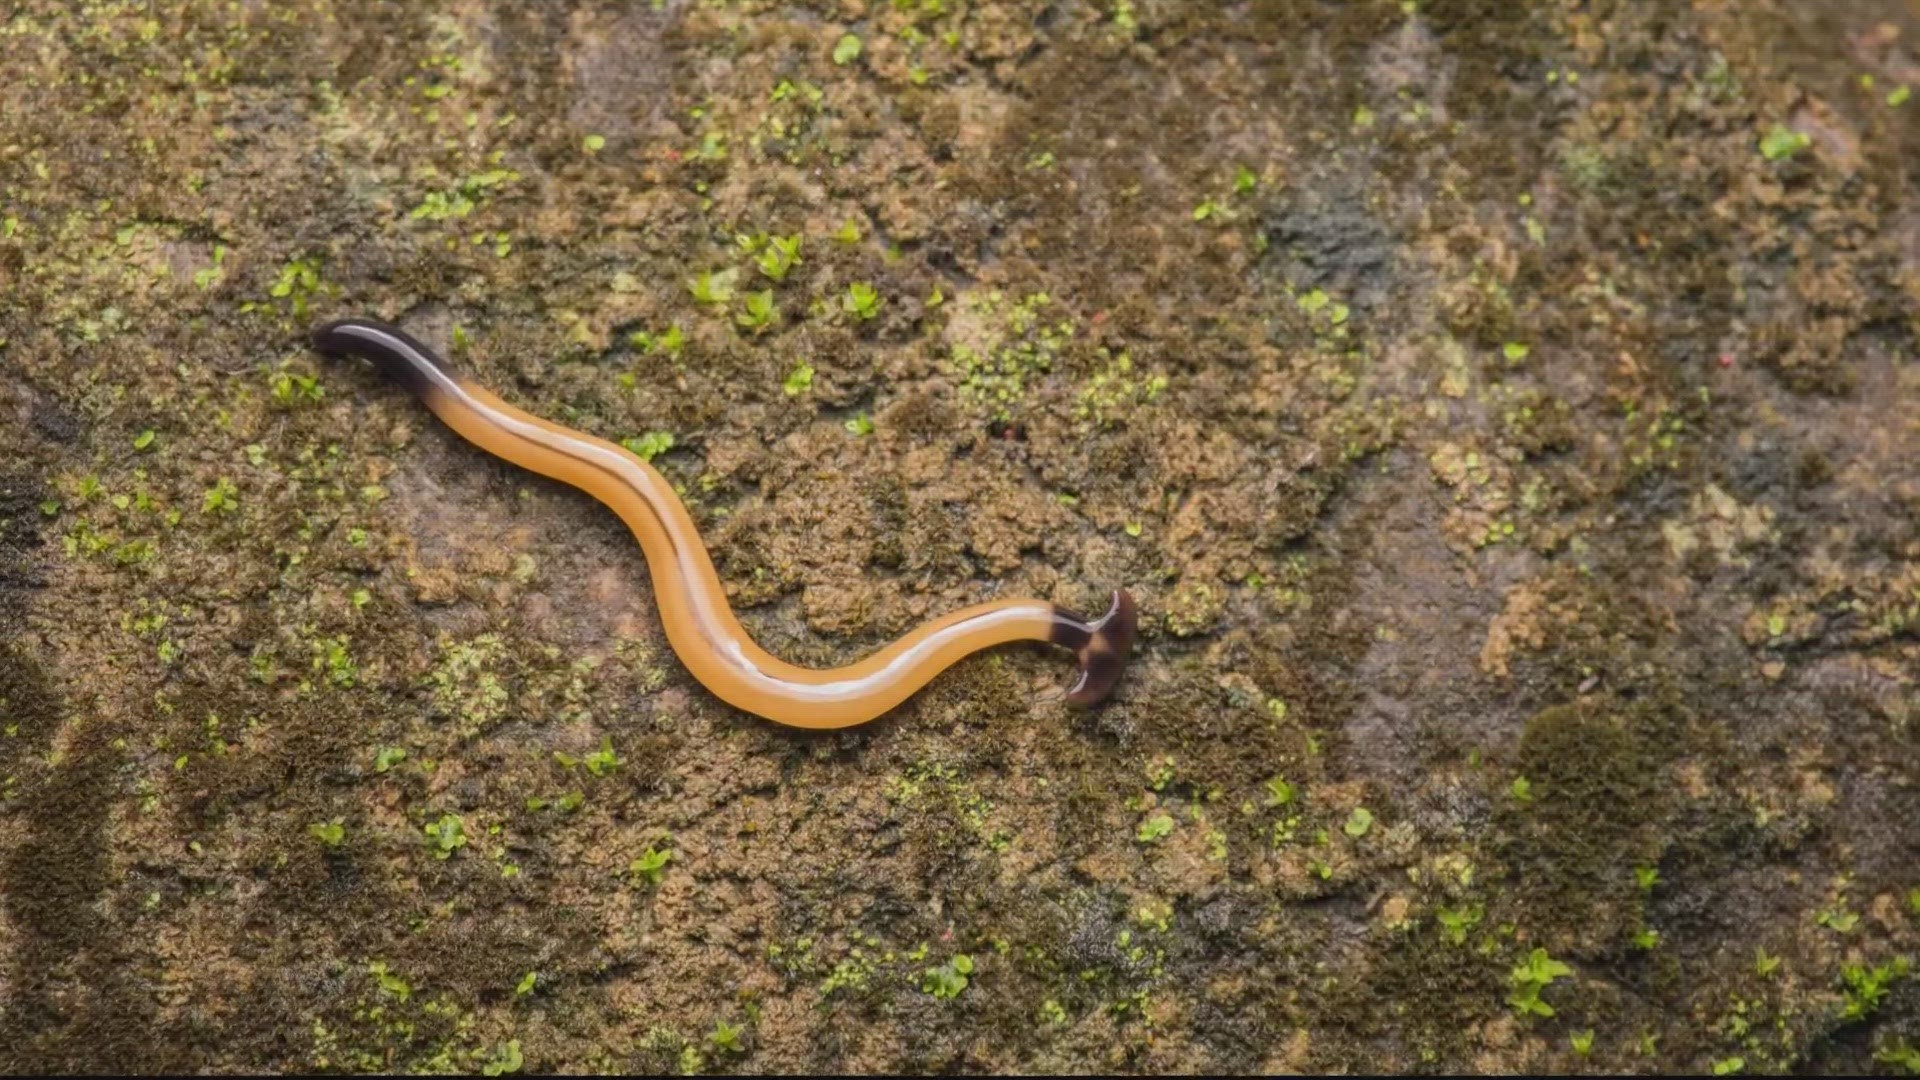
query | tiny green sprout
[222, 496]
[1522, 789]
[507, 1059]
[1582, 1042]
[649, 446]
[144, 439]
[1913, 901]
[1279, 793]
[1132, 528]
[1782, 142]
[1314, 300]
[1456, 923]
[1160, 774]
[1647, 877]
[936, 297]
[760, 312]
[1206, 209]
[1764, 963]
[1898, 96]
[849, 232]
[799, 380]
[1901, 1055]
[1531, 977]
[669, 342]
[527, 984]
[1277, 708]
[1729, 1066]
[1052, 1013]
[1866, 987]
[331, 833]
[1646, 939]
[595, 143]
[651, 866]
[1515, 351]
[779, 257]
[860, 425]
[1245, 180]
[1838, 919]
[447, 835]
[714, 286]
[207, 277]
[390, 981]
[1358, 822]
[948, 980]
[1155, 828]
[385, 758]
[847, 49]
[861, 301]
[725, 1038]
[361, 598]
[604, 760]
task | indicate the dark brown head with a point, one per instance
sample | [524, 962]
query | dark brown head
[399, 355]
[1102, 647]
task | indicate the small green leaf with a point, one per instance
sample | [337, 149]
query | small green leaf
[651, 865]
[527, 984]
[760, 312]
[447, 835]
[799, 380]
[846, 50]
[1782, 143]
[651, 445]
[595, 143]
[143, 440]
[1155, 828]
[861, 301]
[714, 287]
[1358, 822]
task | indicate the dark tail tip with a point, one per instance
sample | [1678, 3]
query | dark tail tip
[399, 355]
[1103, 647]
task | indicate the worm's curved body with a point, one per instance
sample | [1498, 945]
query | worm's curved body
[693, 604]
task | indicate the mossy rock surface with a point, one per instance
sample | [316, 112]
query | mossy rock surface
[1503, 414]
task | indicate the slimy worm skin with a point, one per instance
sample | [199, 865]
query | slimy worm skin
[700, 624]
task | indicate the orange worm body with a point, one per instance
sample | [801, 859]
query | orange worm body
[699, 622]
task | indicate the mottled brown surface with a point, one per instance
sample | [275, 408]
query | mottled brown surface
[1517, 439]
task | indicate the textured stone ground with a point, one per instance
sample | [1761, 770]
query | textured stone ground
[1506, 415]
